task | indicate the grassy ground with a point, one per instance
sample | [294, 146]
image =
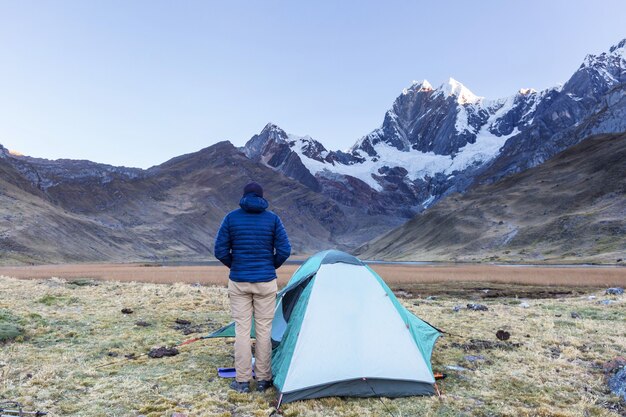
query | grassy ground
[551, 366]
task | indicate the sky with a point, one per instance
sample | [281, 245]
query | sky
[135, 83]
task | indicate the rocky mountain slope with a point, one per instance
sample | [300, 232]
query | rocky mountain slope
[55, 211]
[436, 141]
[570, 208]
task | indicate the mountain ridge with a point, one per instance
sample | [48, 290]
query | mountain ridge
[432, 144]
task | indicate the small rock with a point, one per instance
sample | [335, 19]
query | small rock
[142, 323]
[617, 383]
[474, 358]
[403, 293]
[591, 297]
[131, 356]
[524, 305]
[503, 335]
[456, 309]
[606, 302]
[431, 297]
[183, 322]
[615, 291]
[477, 307]
[127, 311]
[555, 352]
[456, 368]
[613, 365]
[163, 351]
[113, 354]
[575, 315]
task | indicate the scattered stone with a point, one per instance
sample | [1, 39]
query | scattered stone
[479, 345]
[474, 358]
[131, 356]
[142, 323]
[617, 383]
[503, 335]
[113, 354]
[456, 309]
[192, 329]
[524, 304]
[615, 291]
[431, 297]
[127, 311]
[456, 368]
[477, 307]
[403, 293]
[187, 328]
[591, 297]
[606, 302]
[83, 283]
[619, 260]
[575, 315]
[163, 351]
[613, 365]
[555, 352]
[558, 315]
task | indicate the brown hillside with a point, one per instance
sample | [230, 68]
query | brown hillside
[171, 212]
[571, 208]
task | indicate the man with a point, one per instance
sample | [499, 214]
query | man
[252, 242]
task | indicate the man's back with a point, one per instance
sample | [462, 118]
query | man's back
[252, 241]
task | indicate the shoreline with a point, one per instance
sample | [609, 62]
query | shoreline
[392, 273]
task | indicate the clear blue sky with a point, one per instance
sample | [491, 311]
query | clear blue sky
[138, 82]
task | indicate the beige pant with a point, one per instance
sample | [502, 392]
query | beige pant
[258, 298]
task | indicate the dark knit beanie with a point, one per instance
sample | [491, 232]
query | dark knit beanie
[253, 187]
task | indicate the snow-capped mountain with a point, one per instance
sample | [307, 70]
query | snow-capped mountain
[434, 141]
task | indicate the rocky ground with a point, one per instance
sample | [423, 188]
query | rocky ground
[556, 350]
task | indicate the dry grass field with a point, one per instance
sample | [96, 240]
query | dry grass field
[553, 364]
[392, 273]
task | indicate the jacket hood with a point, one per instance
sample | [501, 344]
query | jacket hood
[252, 203]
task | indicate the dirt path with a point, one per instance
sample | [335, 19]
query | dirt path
[393, 274]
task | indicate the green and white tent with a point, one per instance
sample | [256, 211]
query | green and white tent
[339, 330]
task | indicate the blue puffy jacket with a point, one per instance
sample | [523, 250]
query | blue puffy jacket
[252, 241]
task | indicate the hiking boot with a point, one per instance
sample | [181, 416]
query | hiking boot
[263, 385]
[240, 386]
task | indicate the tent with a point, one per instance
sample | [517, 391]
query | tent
[339, 330]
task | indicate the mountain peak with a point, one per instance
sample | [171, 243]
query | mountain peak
[620, 46]
[526, 91]
[616, 54]
[272, 127]
[454, 88]
[423, 85]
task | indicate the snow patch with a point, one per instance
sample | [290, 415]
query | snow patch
[454, 88]
[418, 164]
